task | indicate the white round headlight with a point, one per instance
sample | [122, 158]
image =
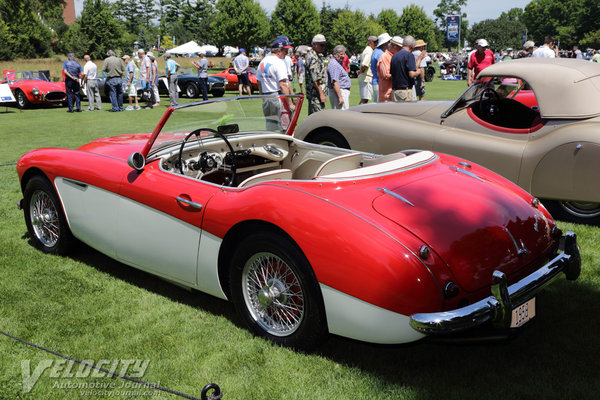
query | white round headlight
[35, 91]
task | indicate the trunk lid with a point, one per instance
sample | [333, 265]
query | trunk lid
[476, 225]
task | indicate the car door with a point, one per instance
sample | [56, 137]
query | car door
[499, 151]
[159, 224]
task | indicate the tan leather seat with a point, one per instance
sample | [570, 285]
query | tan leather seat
[341, 163]
[276, 174]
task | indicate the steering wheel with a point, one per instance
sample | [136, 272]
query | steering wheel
[489, 102]
[205, 161]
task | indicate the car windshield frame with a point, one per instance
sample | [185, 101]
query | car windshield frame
[506, 86]
[17, 76]
[245, 115]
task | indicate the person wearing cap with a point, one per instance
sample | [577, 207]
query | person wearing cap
[171, 72]
[114, 69]
[316, 75]
[527, 50]
[547, 50]
[338, 81]
[241, 64]
[132, 75]
[479, 60]
[72, 70]
[272, 78]
[404, 70]
[422, 65]
[383, 69]
[365, 77]
[90, 81]
[383, 42]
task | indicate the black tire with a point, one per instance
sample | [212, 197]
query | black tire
[191, 90]
[328, 137]
[44, 217]
[284, 305]
[429, 73]
[587, 213]
[22, 101]
[217, 93]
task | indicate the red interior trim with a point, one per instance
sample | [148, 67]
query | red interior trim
[539, 123]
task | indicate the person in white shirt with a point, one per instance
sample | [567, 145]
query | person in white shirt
[90, 73]
[272, 78]
[366, 76]
[241, 64]
[547, 50]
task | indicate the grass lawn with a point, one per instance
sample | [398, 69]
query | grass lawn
[90, 307]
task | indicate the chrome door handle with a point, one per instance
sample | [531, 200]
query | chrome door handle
[189, 203]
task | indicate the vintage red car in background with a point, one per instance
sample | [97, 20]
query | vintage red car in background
[34, 88]
[304, 239]
[232, 78]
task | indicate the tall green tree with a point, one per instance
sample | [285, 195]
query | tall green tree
[23, 23]
[557, 18]
[327, 15]
[501, 33]
[415, 22]
[240, 23]
[390, 21]
[96, 31]
[297, 19]
[197, 17]
[148, 13]
[351, 30]
[130, 13]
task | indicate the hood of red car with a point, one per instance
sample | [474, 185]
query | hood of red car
[475, 225]
[118, 146]
[42, 85]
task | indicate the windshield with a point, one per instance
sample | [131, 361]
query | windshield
[25, 75]
[260, 114]
[505, 87]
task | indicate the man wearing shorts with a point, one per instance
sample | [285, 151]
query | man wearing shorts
[366, 76]
[241, 64]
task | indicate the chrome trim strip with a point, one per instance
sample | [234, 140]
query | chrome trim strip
[74, 182]
[498, 307]
[463, 171]
[396, 195]
[189, 203]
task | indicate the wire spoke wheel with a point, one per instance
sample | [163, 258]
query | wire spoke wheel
[44, 218]
[273, 294]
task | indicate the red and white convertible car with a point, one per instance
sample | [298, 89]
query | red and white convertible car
[34, 88]
[304, 239]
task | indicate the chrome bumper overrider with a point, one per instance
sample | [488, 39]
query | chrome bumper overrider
[498, 307]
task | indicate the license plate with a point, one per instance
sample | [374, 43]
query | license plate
[523, 313]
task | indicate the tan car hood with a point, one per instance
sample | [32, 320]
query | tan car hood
[430, 111]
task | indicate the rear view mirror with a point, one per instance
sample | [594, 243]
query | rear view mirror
[136, 161]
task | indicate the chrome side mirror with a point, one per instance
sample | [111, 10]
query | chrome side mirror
[136, 161]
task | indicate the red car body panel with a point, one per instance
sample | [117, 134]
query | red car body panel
[468, 244]
[232, 79]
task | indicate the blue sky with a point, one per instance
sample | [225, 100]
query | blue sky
[477, 10]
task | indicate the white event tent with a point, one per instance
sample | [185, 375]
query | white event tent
[193, 48]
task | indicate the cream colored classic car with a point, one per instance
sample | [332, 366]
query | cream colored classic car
[534, 121]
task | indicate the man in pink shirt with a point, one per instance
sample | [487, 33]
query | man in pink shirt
[479, 60]
[383, 69]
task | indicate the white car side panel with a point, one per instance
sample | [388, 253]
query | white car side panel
[91, 213]
[208, 273]
[157, 242]
[351, 317]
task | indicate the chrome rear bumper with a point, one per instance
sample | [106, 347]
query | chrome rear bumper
[498, 307]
